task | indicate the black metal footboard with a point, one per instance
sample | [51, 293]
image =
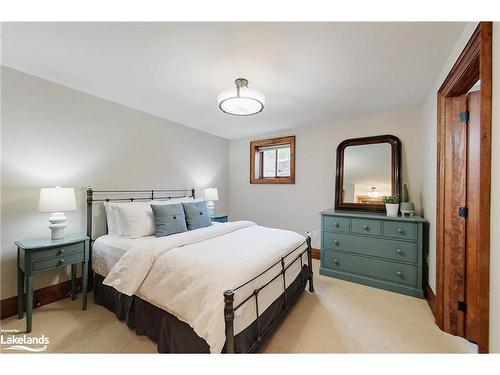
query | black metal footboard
[229, 308]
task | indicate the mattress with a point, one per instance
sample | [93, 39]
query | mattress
[185, 274]
[107, 251]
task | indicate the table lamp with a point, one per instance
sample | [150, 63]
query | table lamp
[56, 200]
[211, 195]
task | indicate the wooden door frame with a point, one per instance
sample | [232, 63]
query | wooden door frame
[475, 62]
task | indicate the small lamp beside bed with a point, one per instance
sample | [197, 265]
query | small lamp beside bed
[56, 200]
[210, 196]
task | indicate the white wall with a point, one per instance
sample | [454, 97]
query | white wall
[495, 200]
[296, 207]
[53, 135]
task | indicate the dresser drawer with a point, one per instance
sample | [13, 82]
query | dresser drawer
[380, 269]
[219, 219]
[59, 251]
[379, 247]
[58, 261]
[408, 231]
[365, 226]
[340, 224]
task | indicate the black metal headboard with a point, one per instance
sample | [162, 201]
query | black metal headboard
[131, 196]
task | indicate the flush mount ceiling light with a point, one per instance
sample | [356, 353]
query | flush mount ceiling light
[241, 101]
[374, 193]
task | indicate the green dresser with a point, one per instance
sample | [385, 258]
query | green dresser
[373, 249]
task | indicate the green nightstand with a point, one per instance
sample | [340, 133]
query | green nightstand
[43, 254]
[219, 218]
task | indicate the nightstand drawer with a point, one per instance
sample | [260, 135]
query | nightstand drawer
[62, 251]
[380, 269]
[340, 224]
[61, 261]
[365, 226]
[219, 219]
[407, 231]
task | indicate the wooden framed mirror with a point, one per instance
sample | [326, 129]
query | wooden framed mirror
[367, 169]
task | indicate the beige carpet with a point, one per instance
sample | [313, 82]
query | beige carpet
[341, 317]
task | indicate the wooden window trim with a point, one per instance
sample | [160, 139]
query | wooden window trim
[254, 149]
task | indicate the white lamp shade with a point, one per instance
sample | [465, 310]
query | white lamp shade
[211, 194]
[57, 199]
[249, 101]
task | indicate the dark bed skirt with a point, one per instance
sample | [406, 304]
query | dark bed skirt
[175, 336]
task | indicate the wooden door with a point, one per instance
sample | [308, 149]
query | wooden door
[461, 208]
[455, 196]
[472, 222]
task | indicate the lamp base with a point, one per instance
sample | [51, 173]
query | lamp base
[57, 225]
[211, 207]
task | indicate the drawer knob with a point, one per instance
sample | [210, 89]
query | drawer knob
[61, 251]
[336, 261]
[398, 251]
[335, 224]
[336, 242]
[61, 261]
[365, 226]
[399, 230]
[399, 273]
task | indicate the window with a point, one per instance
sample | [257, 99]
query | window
[272, 161]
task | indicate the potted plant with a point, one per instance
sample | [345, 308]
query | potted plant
[407, 207]
[391, 204]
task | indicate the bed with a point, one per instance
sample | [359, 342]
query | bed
[218, 289]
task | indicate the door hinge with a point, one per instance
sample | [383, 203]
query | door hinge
[462, 306]
[464, 116]
[463, 212]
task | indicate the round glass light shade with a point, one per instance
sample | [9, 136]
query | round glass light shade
[249, 102]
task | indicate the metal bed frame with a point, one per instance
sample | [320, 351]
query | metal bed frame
[229, 307]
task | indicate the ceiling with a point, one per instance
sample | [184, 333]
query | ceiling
[309, 72]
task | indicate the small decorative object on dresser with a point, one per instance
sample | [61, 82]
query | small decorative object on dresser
[391, 205]
[407, 207]
[56, 200]
[210, 196]
[373, 249]
[219, 218]
[43, 254]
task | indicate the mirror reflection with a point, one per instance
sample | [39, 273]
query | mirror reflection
[367, 173]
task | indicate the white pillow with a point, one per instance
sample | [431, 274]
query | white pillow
[111, 218]
[135, 219]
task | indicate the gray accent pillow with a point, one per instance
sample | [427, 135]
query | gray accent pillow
[197, 215]
[169, 219]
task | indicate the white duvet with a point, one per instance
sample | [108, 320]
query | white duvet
[187, 273]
